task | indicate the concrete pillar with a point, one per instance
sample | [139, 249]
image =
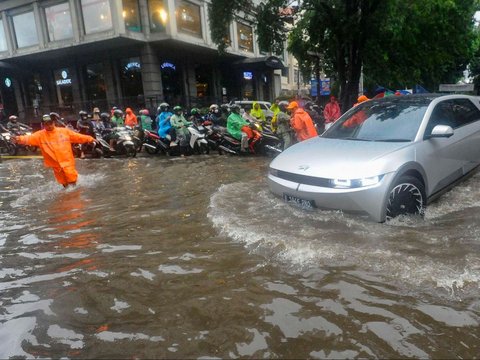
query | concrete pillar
[151, 76]
[110, 83]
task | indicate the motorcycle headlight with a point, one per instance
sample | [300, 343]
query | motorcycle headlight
[355, 183]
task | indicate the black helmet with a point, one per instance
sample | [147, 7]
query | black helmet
[83, 114]
[104, 116]
[235, 108]
[118, 112]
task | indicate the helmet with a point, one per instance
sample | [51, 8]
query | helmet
[54, 116]
[235, 108]
[118, 112]
[13, 118]
[195, 111]
[83, 114]
[96, 110]
[163, 107]
[177, 108]
[46, 118]
[213, 106]
[144, 112]
[104, 116]
[283, 105]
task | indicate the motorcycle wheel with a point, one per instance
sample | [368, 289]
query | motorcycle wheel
[97, 153]
[151, 151]
[131, 151]
[12, 149]
[204, 149]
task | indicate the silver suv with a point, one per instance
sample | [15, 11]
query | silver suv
[384, 157]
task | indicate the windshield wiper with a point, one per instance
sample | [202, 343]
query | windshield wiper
[356, 139]
[394, 140]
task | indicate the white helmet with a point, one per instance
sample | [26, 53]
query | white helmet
[213, 106]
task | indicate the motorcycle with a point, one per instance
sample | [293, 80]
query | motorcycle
[6, 144]
[124, 142]
[198, 142]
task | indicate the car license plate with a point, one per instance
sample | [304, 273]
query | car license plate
[304, 204]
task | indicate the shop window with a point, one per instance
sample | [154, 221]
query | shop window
[202, 77]
[171, 82]
[25, 29]
[158, 15]
[59, 22]
[96, 15]
[95, 82]
[245, 37]
[131, 79]
[3, 39]
[131, 15]
[188, 18]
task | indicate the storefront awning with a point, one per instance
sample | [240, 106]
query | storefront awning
[271, 62]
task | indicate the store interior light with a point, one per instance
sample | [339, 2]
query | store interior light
[163, 15]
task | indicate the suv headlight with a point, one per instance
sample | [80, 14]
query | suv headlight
[355, 183]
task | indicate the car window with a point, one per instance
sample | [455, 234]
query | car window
[454, 113]
[464, 112]
[380, 121]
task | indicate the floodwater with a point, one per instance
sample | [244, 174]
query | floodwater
[159, 257]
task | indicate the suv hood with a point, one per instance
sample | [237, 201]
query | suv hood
[338, 158]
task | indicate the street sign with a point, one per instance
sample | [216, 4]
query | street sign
[456, 87]
[324, 87]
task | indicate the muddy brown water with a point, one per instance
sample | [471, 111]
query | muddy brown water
[159, 257]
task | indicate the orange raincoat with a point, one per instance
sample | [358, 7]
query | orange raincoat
[56, 149]
[302, 123]
[130, 118]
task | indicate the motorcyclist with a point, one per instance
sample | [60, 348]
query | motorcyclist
[163, 114]
[180, 124]
[145, 120]
[130, 118]
[85, 127]
[215, 115]
[196, 117]
[258, 114]
[16, 127]
[224, 114]
[240, 128]
[117, 118]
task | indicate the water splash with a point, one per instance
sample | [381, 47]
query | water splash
[408, 250]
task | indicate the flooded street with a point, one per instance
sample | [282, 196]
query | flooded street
[159, 257]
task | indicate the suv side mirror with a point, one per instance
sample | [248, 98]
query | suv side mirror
[441, 131]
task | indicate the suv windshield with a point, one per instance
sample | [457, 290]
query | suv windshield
[380, 120]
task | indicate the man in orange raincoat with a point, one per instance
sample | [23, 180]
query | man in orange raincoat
[301, 122]
[55, 145]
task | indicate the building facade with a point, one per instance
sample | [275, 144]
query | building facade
[72, 55]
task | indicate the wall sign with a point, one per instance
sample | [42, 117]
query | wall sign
[133, 66]
[168, 65]
[247, 75]
[65, 80]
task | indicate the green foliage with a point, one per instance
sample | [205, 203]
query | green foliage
[271, 26]
[221, 14]
[426, 42]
